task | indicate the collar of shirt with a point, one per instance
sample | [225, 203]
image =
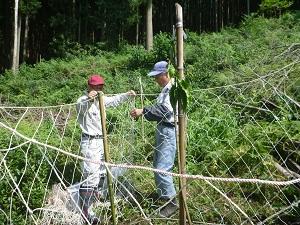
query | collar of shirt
[167, 87]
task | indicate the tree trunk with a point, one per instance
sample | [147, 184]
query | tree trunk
[222, 14]
[200, 19]
[25, 39]
[79, 23]
[85, 31]
[137, 27]
[18, 41]
[149, 26]
[74, 18]
[103, 26]
[216, 16]
[14, 65]
[6, 53]
[248, 7]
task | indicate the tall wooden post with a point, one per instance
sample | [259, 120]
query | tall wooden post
[142, 106]
[107, 158]
[16, 40]
[149, 26]
[181, 117]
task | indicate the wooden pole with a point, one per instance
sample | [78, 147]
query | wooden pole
[142, 106]
[181, 118]
[106, 157]
[15, 56]
[149, 26]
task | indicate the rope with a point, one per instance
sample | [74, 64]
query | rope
[188, 176]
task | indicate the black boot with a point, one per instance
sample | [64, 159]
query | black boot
[169, 208]
[153, 196]
[88, 196]
[94, 220]
[102, 182]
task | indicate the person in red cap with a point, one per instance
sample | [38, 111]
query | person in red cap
[91, 144]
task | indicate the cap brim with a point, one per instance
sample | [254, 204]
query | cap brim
[154, 73]
[95, 84]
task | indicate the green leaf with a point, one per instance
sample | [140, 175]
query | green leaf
[182, 95]
[179, 93]
[173, 96]
[171, 70]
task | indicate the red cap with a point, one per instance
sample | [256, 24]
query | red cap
[96, 79]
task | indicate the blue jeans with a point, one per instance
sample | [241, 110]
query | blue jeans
[164, 157]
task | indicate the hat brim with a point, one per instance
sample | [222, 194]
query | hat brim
[155, 73]
[95, 83]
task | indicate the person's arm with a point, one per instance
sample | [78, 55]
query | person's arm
[83, 104]
[157, 112]
[114, 101]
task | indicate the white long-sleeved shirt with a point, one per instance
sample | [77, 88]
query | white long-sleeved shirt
[88, 111]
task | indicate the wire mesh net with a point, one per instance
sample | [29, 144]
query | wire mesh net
[242, 159]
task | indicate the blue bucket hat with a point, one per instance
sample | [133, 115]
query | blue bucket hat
[159, 67]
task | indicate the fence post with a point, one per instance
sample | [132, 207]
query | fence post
[106, 157]
[181, 118]
[142, 106]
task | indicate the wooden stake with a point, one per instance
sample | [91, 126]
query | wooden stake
[181, 118]
[106, 157]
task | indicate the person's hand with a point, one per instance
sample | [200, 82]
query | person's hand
[131, 93]
[135, 113]
[92, 94]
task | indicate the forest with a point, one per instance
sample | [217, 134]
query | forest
[32, 30]
[241, 66]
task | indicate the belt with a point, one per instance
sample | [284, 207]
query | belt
[92, 136]
[167, 124]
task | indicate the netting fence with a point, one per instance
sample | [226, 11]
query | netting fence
[243, 162]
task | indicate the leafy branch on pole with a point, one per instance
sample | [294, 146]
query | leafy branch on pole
[180, 89]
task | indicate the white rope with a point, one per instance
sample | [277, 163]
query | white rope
[13, 148]
[199, 177]
[62, 105]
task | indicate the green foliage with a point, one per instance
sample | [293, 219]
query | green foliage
[248, 137]
[140, 56]
[16, 161]
[179, 94]
[134, 16]
[272, 7]
[64, 48]
[216, 59]
[30, 7]
[162, 45]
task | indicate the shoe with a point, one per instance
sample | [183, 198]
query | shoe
[153, 196]
[169, 209]
[94, 220]
[137, 197]
[102, 183]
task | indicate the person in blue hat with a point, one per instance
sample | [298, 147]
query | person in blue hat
[165, 147]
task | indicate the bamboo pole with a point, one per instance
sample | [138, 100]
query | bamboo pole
[181, 118]
[142, 106]
[106, 157]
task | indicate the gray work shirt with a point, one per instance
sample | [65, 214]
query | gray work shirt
[162, 111]
[88, 111]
